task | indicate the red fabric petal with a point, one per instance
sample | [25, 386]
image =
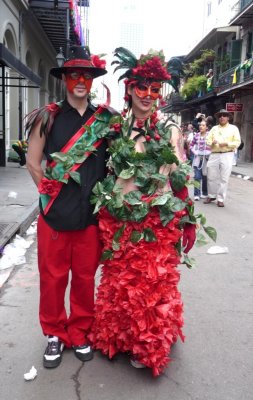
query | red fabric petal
[138, 307]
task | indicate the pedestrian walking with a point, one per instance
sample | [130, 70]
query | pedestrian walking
[189, 137]
[201, 153]
[143, 216]
[70, 135]
[223, 139]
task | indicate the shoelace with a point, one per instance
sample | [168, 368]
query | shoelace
[52, 347]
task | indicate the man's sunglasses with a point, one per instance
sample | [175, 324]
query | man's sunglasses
[77, 75]
[223, 115]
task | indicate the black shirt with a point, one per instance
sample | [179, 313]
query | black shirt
[72, 210]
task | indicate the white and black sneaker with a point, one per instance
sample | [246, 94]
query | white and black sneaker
[83, 352]
[53, 353]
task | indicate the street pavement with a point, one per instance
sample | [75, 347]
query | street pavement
[214, 363]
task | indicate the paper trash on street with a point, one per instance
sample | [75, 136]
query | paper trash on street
[12, 195]
[31, 230]
[217, 250]
[29, 376]
[14, 252]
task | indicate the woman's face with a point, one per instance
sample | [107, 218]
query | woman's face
[143, 97]
[202, 127]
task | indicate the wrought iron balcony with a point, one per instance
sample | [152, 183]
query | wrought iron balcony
[60, 20]
[243, 12]
[241, 75]
[244, 3]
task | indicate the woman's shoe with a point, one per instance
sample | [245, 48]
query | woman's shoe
[136, 364]
[209, 200]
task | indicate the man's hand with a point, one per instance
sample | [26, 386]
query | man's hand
[223, 144]
[189, 237]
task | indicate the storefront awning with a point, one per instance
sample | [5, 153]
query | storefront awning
[9, 60]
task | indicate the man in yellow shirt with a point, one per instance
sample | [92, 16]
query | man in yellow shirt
[223, 139]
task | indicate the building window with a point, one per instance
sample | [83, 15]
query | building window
[249, 53]
[209, 8]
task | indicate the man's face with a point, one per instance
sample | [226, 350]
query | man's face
[223, 119]
[78, 82]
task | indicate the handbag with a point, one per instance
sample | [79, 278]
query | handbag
[204, 166]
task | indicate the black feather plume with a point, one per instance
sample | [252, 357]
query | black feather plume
[126, 60]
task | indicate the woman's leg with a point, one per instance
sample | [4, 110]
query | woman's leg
[197, 177]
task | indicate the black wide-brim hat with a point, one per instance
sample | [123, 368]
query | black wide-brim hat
[80, 57]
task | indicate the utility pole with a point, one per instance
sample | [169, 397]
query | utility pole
[20, 93]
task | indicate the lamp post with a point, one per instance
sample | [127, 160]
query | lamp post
[60, 58]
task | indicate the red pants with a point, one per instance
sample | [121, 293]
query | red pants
[58, 254]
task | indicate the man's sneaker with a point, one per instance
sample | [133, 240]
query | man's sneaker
[83, 352]
[53, 353]
[203, 196]
[136, 364]
[196, 198]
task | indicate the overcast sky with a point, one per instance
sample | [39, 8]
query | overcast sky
[175, 26]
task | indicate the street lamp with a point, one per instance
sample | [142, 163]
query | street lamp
[60, 58]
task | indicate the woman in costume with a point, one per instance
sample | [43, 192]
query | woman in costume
[144, 212]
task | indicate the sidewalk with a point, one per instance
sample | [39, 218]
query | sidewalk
[245, 169]
[19, 199]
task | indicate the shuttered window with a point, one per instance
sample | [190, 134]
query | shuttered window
[236, 51]
[249, 45]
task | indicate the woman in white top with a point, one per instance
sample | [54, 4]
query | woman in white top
[201, 153]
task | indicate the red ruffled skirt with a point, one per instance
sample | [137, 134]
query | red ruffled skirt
[138, 307]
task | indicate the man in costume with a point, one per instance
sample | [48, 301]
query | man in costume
[223, 139]
[145, 211]
[70, 134]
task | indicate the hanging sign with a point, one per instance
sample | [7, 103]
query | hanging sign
[232, 107]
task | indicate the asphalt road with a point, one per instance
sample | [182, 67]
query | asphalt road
[214, 363]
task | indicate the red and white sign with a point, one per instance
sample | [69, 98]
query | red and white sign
[232, 107]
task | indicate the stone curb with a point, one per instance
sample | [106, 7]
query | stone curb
[242, 175]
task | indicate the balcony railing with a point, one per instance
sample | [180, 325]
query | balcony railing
[244, 3]
[239, 74]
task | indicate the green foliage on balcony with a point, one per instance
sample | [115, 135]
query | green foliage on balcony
[196, 82]
[223, 63]
[196, 67]
[194, 86]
